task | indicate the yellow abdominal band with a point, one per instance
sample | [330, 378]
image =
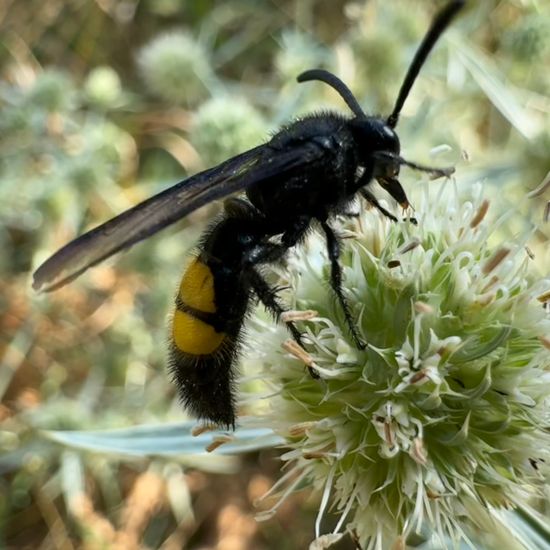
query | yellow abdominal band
[191, 335]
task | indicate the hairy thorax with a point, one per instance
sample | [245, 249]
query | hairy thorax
[316, 190]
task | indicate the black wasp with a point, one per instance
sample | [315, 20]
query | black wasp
[309, 172]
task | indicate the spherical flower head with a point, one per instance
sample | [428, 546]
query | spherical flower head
[298, 53]
[442, 419]
[175, 68]
[226, 126]
[529, 37]
[103, 87]
[53, 91]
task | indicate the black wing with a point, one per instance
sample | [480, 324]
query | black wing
[145, 219]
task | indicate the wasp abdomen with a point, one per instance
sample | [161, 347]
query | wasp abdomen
[203, 346]
[195, 307]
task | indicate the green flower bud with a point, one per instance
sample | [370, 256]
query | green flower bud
[53, 91]
[298, 53]
[103, 88]
[175, 68]
[529, 38]
[225, 126]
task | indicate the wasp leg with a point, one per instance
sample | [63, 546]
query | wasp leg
[371, 199]
[350, 214]
[268, 297]
[267, 253]
[333, 249]
[296, 232]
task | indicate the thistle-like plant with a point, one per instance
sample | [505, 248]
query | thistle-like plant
[442, 421]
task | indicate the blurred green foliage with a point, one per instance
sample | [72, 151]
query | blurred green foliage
[103, 103]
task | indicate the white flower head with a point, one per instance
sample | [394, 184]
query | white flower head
[443, 418]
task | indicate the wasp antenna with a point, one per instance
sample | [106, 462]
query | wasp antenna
[337, 84]
[440, 23]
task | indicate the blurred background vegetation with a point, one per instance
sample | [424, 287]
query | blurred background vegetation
[104, 103]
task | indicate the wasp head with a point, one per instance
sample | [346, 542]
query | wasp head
[376, 141]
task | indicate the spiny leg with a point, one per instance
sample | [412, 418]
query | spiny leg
[392, 186]
[333, 249]
[372, 200]
[268, 297]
